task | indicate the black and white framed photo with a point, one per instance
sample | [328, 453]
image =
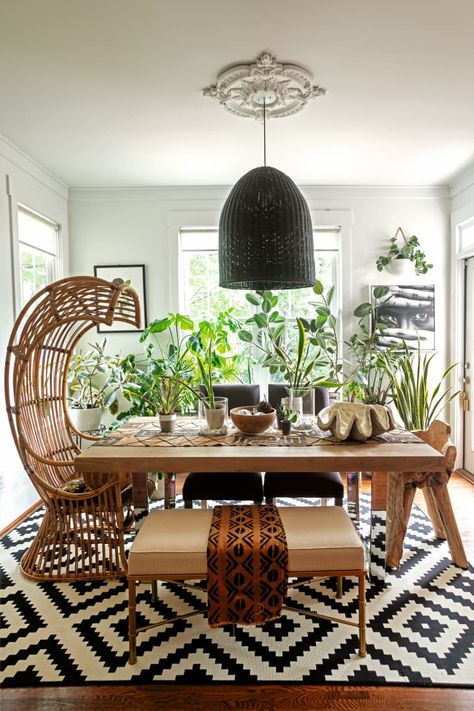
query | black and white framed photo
[409, 314]
[133, 275]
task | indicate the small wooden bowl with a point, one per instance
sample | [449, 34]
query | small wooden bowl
[252, 424]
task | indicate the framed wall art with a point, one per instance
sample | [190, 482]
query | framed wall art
[134, 276]
[409, 314]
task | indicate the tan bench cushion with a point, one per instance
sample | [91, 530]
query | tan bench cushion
[174, 542]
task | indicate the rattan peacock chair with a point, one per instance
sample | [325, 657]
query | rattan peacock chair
[81, 534]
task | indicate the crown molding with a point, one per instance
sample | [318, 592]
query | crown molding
[22, 160]
[215, 192]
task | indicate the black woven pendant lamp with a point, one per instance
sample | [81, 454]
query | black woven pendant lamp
[265, 232]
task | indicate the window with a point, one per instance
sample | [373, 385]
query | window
[202, 296]
[38, 250]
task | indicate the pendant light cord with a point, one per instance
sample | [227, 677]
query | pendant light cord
[264, 135]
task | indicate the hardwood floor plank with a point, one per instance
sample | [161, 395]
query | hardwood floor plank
[256, 698]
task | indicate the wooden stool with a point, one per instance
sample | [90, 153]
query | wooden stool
[172, 545]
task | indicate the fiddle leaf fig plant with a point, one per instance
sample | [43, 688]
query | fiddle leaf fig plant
[409, 249]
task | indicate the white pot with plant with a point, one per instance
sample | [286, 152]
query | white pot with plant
[93, 381]
[402, 257]
[303, 361]
[161, 388]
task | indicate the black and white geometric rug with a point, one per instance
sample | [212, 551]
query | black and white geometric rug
[420, 628]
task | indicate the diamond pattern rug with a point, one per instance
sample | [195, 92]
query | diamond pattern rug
[420, 628]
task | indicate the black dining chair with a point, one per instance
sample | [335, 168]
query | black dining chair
[238, 486]
[320, 485]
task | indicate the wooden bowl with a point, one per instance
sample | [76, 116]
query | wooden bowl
[252, 424]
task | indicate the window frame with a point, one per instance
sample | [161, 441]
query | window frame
[56, 269]
[261, 374]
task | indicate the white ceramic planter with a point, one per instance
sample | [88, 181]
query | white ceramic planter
[216, 416]
[85, 420]
[167, 422]
[402, 268]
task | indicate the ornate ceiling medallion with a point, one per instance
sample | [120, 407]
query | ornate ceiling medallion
[285, 89]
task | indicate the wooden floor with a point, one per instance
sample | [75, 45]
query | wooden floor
[263, 697]
[220, 697]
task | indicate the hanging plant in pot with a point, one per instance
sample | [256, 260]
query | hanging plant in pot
[401, 254]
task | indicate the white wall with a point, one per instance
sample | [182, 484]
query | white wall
[21, 180]
[141, 226]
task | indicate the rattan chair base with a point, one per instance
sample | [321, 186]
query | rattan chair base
[82, 533]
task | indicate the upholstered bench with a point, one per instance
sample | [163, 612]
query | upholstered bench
[172, 545]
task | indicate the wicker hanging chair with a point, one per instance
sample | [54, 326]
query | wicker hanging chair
[81, 535]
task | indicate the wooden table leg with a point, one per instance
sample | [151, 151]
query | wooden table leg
[433, 513]
[378, 524]
[395, 518]
[397, 532]
[353, 485]
[170, 491]
[140, 491]
[443, 502]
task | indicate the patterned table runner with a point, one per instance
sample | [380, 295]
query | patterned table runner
[247, 565]
[187, 434]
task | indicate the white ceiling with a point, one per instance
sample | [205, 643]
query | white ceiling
[108, 92]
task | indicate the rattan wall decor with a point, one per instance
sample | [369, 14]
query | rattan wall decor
[81, 535]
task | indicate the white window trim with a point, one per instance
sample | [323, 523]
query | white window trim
[14, 203]
[178, 221]
[460, 219]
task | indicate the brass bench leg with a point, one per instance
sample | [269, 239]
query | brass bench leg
[132, 622]
[362, 641]
[339, 586]
[154, 591]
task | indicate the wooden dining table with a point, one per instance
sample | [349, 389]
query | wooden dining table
[139, 448]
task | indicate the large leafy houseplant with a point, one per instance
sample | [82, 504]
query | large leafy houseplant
[324, 333]
[209, 347]
[301, 361]
[92, 382]
[368, 380]
[156, 383]
[408, 249]
[409, 377]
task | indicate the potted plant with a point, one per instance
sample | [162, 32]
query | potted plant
[286, 417]
[409, 378]
[400, 254]
[165, 375]
[368, 380]
[94, 379]
[211, 348]
[301, 363]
